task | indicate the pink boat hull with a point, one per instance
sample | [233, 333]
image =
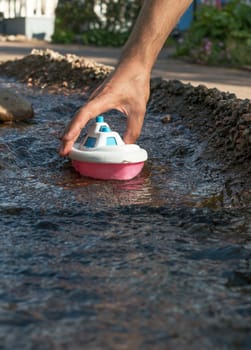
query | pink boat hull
[104, 171]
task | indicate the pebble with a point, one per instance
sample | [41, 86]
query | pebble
[166, 119]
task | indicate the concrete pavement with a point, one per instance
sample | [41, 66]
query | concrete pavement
[224, 79]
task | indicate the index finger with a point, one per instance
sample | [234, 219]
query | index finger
[83, 115]
[73, 130]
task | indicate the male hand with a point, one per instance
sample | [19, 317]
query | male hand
[126, 90]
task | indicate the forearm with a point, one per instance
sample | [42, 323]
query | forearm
[127, 89]
[156, 20]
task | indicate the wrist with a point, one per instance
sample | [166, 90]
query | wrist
[137, 58]
[133, 65]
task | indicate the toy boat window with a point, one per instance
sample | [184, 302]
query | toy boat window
[111, 141]
[104, 128]
[90, 142]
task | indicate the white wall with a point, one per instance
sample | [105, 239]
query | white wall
[28, 8]
[32, 18]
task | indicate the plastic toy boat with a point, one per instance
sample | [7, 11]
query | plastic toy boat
[103, 155]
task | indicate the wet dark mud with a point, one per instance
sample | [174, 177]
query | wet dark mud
[158, 262]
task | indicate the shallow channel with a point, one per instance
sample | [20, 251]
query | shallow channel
[158, 262]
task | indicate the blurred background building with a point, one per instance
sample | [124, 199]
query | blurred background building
[36, 18]
[32, 18]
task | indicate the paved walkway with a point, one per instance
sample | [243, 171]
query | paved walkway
[232, 80]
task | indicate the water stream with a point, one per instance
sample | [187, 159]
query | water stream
[158, 262]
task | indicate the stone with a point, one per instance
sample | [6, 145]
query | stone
[166, 119]
[13, 107]
[247, 117]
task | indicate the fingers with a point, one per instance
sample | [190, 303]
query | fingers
[134, 126]
[96, 107]
[128, 96]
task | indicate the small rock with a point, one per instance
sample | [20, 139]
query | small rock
[16, 38]
[166, 119]
[247, 117]
[13, 107]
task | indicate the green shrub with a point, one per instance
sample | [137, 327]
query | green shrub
[60, 35]
[103, 37]
[76, 20]
[219, 36]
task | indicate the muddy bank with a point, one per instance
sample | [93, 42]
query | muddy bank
[49, 69]
[219, 117]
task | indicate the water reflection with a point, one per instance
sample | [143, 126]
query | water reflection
[139, 190]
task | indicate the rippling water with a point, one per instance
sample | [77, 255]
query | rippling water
[158, 262]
